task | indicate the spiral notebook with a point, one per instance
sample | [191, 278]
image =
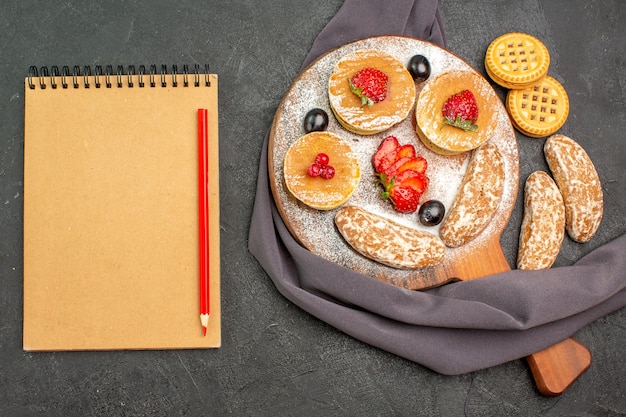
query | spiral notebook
[111, 208]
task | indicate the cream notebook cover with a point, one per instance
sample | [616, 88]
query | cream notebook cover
[111, 210]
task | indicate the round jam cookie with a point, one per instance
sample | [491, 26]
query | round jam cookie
[318, 192]
[348, 107]
[431, 127]
[517, 60]
[540, 110]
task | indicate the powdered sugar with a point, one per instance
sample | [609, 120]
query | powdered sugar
[316, 229]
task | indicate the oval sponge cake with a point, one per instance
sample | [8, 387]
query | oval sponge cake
[317, 192]
[388, 242]
[430, 126]
[347, 107]
[579, 183]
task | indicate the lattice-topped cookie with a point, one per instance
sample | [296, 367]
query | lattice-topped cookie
[540, 110]
[517, 60]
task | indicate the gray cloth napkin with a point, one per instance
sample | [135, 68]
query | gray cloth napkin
[456, 328]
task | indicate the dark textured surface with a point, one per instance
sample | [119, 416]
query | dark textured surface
[276, 359]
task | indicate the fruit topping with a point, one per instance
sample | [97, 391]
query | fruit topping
[370, 85]
[404, 152]
[388, 144]
[419, 67]
[461, 110]
[401, 172]
[392, 170]
[322, 159]
[314, 170]
[431, 213]
[413, 179]
[418, 164]
[316, 120]
[405, 199]
[320, 167]
[327, 172]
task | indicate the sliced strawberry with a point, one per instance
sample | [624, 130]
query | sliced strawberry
[389, 144]
[417, 163]
[391, 171]
[401, 172]
[407, 174]
[404, 151]
[418, 182]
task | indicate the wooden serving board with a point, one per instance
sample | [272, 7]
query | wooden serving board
[315, 229]
[554, 368]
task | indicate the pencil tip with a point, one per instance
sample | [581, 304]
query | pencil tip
[204, 320]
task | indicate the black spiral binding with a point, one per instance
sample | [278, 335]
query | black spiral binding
[121, 77]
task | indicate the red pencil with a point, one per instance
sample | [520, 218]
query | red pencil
[203, 218]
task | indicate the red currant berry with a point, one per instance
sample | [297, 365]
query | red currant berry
[322, 159]
[314, 170]
[327, 172]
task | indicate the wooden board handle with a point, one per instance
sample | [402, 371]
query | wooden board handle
[485, 260]
[555, 368]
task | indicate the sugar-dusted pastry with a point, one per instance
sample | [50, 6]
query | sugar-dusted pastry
[321, 170]
[370, 91]
[387, 241]
[543, 224]
[456, 112]
[539, 110]
[517, 60]
[580, 186]
[477, 199]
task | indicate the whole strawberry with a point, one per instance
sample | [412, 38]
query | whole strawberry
[461, 110]
[370, 85]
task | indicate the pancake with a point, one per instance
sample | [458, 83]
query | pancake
[347, 107]
[441, 137]
[317, 192]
